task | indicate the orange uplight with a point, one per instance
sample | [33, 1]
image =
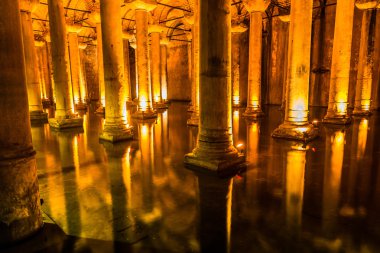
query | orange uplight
[341, 107]
[236, 100]
[143, 104]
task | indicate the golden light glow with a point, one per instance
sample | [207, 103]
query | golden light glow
[156, 98]
[341, 108]
[143, 104]
[235, 126]
[236, 100]
[164, 92]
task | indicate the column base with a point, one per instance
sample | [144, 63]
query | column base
[338, 120]
[65, 123]
[46, 103]
[304, 133]
[80, 106]
[193, 121]
[101, 110]
[190, 108]
[20, 213]
[160, 105]
[236, 105]
[221, 167]
[144, 115]
[361, 113]
[166, 102]
[131, 104]
[251, 113]
[38, 117]
[116, 133]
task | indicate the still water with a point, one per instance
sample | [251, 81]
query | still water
[137, 196]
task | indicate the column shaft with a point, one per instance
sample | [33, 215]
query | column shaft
[20, 213]
[116, 127]
[64, 117]
[102, 96]
[127, 71]
[164, 71]
[214, 149]
[194, 120]
[32, 72]
[365, 68]
[145, 109]
[156, 68]
[75, 69]
[340, 70]
[254, 67]
[296, 125]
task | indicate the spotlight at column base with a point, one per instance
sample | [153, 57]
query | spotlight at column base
[253, 113]
[65, 123]
[116, 133]
[337, 120]
[194, 120]
[304, 133]
[142, 115]
[361, 113]
[223, 167]
[38, 117]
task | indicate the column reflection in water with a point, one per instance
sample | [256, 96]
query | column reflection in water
[252, 151]
[215, 200]
[235, 127]
[352, 206]
[335, 142]
[295, 177]
[150, 212]
[119, 172]
[159, 167]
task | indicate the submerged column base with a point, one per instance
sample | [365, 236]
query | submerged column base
[101, 110]
[116, 133]
[142, 115]
[38, 116]
[20, 215]
[253, 113]
[160, 105]
[80, 106]
[361, 113]
[337, 120]
[230, 164]
[305, 133]
[64, 123]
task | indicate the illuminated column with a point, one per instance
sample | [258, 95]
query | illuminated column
[127, 75]
[72, 36]
[164, 71]
[20, 213]
[32, 74]
[296, 125]
[116, 127]
[256, 9]
[133, 45]
[190, 60]
[155, 61]
[215, 151]
[364, 79]
[194, 119]
[82, 71]
[142, 7]
[236, 30]
[64, 115]
[39, 45]
[99, 46]
[286, 20]
[43, 55]
[341, 60]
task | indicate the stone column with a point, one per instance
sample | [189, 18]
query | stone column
[285, 19]
[155, 60]
[20, 213]
[236, 30]
[82, 73]
[190, 60]
[116, 127]
[45, 71]
[363, 94]
[214, 151]
[127, 75]
[32, 73]
[39, 44]
[72, 36]
[64, 115]
[134, 46]
[194, 119]
[256, 9]
[296, 125]
[142, 7]
[340, 67]
[164, 71]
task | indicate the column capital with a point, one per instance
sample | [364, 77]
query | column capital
[72, 27]
[155, 28]
[82, 46]
[29, 5]
[148, 5]
[238, 28]
[189, 36]
[133, 44]
[367, 4]
[94, 7]
[284, 18]
[189, 18]
[164, 41]
[127, 35]
[256, 5]
[39, 40]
